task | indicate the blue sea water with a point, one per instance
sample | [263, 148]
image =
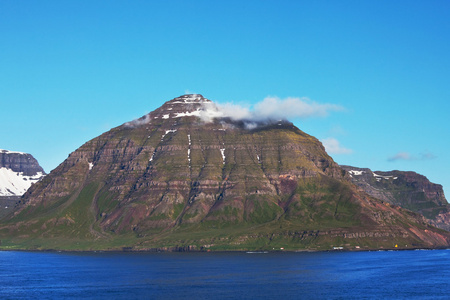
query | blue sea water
[322, 275]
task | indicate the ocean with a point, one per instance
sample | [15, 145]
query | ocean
[420, 274]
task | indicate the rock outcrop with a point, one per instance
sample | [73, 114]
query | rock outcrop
[405, 189]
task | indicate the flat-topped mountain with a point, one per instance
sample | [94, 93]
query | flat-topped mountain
[406, 189]
[188, 176]
[18, 171]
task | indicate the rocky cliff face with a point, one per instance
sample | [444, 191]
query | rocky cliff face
[20, 162]
[405, 189]
[184, 176]
[18, 171]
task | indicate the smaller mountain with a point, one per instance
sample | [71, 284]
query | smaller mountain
[18, 171]
[405, 189]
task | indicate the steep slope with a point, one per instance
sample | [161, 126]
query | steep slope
[18, 171]
[184, 176]
[406, 189]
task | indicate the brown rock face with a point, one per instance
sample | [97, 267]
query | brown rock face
[405, 189]
[183, 175]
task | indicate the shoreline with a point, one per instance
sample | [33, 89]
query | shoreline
[159, 250]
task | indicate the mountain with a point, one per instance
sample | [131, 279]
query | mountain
[406, 189]
[188, 176]
[18, 171]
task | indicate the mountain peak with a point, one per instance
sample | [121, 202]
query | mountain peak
[189, 105]
[190, 98]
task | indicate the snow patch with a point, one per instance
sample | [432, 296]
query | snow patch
[15, 183]
[194, 98]
[355, 172]
[188, 114]
[11, 152]
[379, 177]
[91, 165]
[166, 116]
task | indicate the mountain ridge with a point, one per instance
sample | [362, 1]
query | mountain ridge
[406, 189]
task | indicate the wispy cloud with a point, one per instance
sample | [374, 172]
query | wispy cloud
[187, 92]
[275, 108]
[291, 107]
[408, 157]
[138, 122]
[270, 109]
[427, 156]
[332, 146]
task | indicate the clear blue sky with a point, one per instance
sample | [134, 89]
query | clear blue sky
[70, 70]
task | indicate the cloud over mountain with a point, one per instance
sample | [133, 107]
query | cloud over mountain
[332, 146]
[275, 108]
[270, 109]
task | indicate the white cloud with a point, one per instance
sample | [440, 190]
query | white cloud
[268, 110]
[234, 111]
[332, 146]
[138, 122]
[188, 92]
[275, 108]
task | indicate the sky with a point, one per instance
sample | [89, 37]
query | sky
[375, 75]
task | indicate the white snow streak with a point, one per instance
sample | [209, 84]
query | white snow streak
[222, 151]
[378, 177]
[168, 131]
[189, 150]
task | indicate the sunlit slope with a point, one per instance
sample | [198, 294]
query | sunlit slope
[178, 178]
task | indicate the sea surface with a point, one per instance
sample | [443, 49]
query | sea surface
[423, 274]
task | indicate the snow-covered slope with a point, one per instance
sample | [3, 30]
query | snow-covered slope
[16, 184]
[18, 171]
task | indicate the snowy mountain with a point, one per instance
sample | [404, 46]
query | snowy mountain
[18, 171]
